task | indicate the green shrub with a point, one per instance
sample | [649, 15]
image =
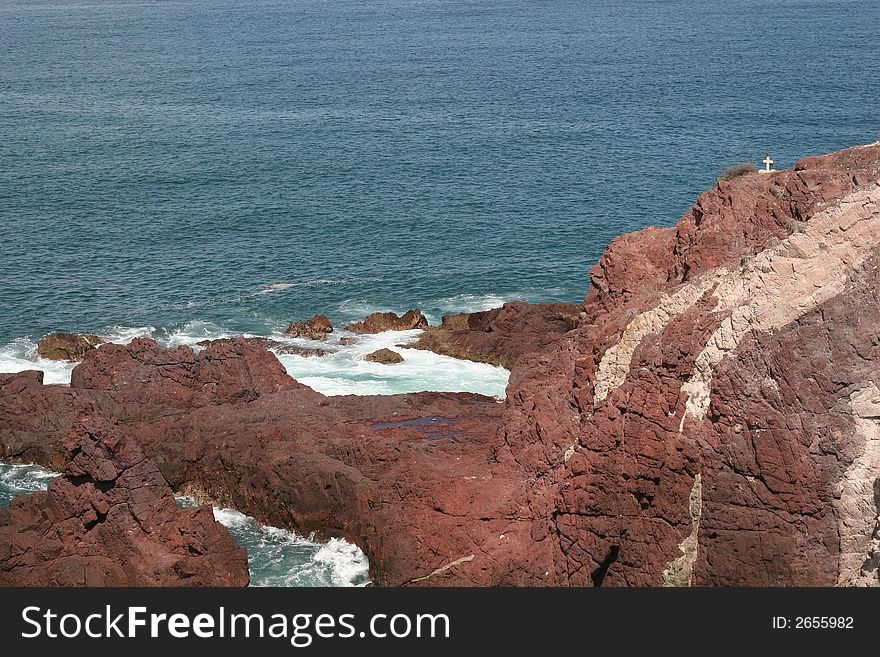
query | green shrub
[738, 170]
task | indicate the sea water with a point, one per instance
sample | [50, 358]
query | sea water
[276, 557]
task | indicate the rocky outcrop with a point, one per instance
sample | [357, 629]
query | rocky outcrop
[316, 328]
[710, 420]
[502, 335]
[399, 475]
[268, 343]
[111, 520]
[384, 356]
[380, 322]
[67, 346]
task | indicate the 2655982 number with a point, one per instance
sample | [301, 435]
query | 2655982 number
[823, 622]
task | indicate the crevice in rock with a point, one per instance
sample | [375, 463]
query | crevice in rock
[598, 575]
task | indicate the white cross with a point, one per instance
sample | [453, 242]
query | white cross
[768, 162]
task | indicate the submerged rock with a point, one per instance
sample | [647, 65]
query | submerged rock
[316, 328]
[268, 343]
[67, 346]
[380, 322]
[111, 520]
[384, 356]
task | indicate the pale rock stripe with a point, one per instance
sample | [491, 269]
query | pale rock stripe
[617, 359]
[785, 282]
[854, 505]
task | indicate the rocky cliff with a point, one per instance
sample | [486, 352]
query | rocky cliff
[711, 419]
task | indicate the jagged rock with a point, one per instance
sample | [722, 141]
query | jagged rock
[384, 356]
[380, 322]
[111, 520]
[316, 328]
[67, 346]
[502, 335]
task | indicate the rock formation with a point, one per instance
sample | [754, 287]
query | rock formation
[502, 335]
[316, 328]
[379, 322]
[111, 520]
[67, 346]
[712, 419]
[384, 356]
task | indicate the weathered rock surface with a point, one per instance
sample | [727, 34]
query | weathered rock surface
[502, 335]
[111, 520]
[384, 356]
[380, 322]
[268, 343]
[316, 328]
[67, 346]
[712, 419]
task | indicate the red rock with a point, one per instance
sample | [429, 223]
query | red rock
[111, 520]
[380, 322]
[67, 346]
[502, 335]
[316, 328]
[384, 356]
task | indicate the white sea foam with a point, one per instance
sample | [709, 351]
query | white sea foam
[24, 478]
[21, 354]
[472, 303]
[347, 564]
[278, 557]
[342, 372]
[346, 372]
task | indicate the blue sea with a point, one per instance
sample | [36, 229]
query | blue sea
[189, 169]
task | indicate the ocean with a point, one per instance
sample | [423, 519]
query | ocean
[196, 169]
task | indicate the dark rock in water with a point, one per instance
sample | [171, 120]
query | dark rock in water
[111, 520]
[306, 352]
[265, 343]
[348, 340]
[67, 346]
[316, 328]
[268, 343]
[502, 335]
[384, 356]
[379, 322]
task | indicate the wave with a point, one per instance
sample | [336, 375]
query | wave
[21, 355]
[277, 557]
[343, 371]
[20, 479]
[346, 372]
[278, 287]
